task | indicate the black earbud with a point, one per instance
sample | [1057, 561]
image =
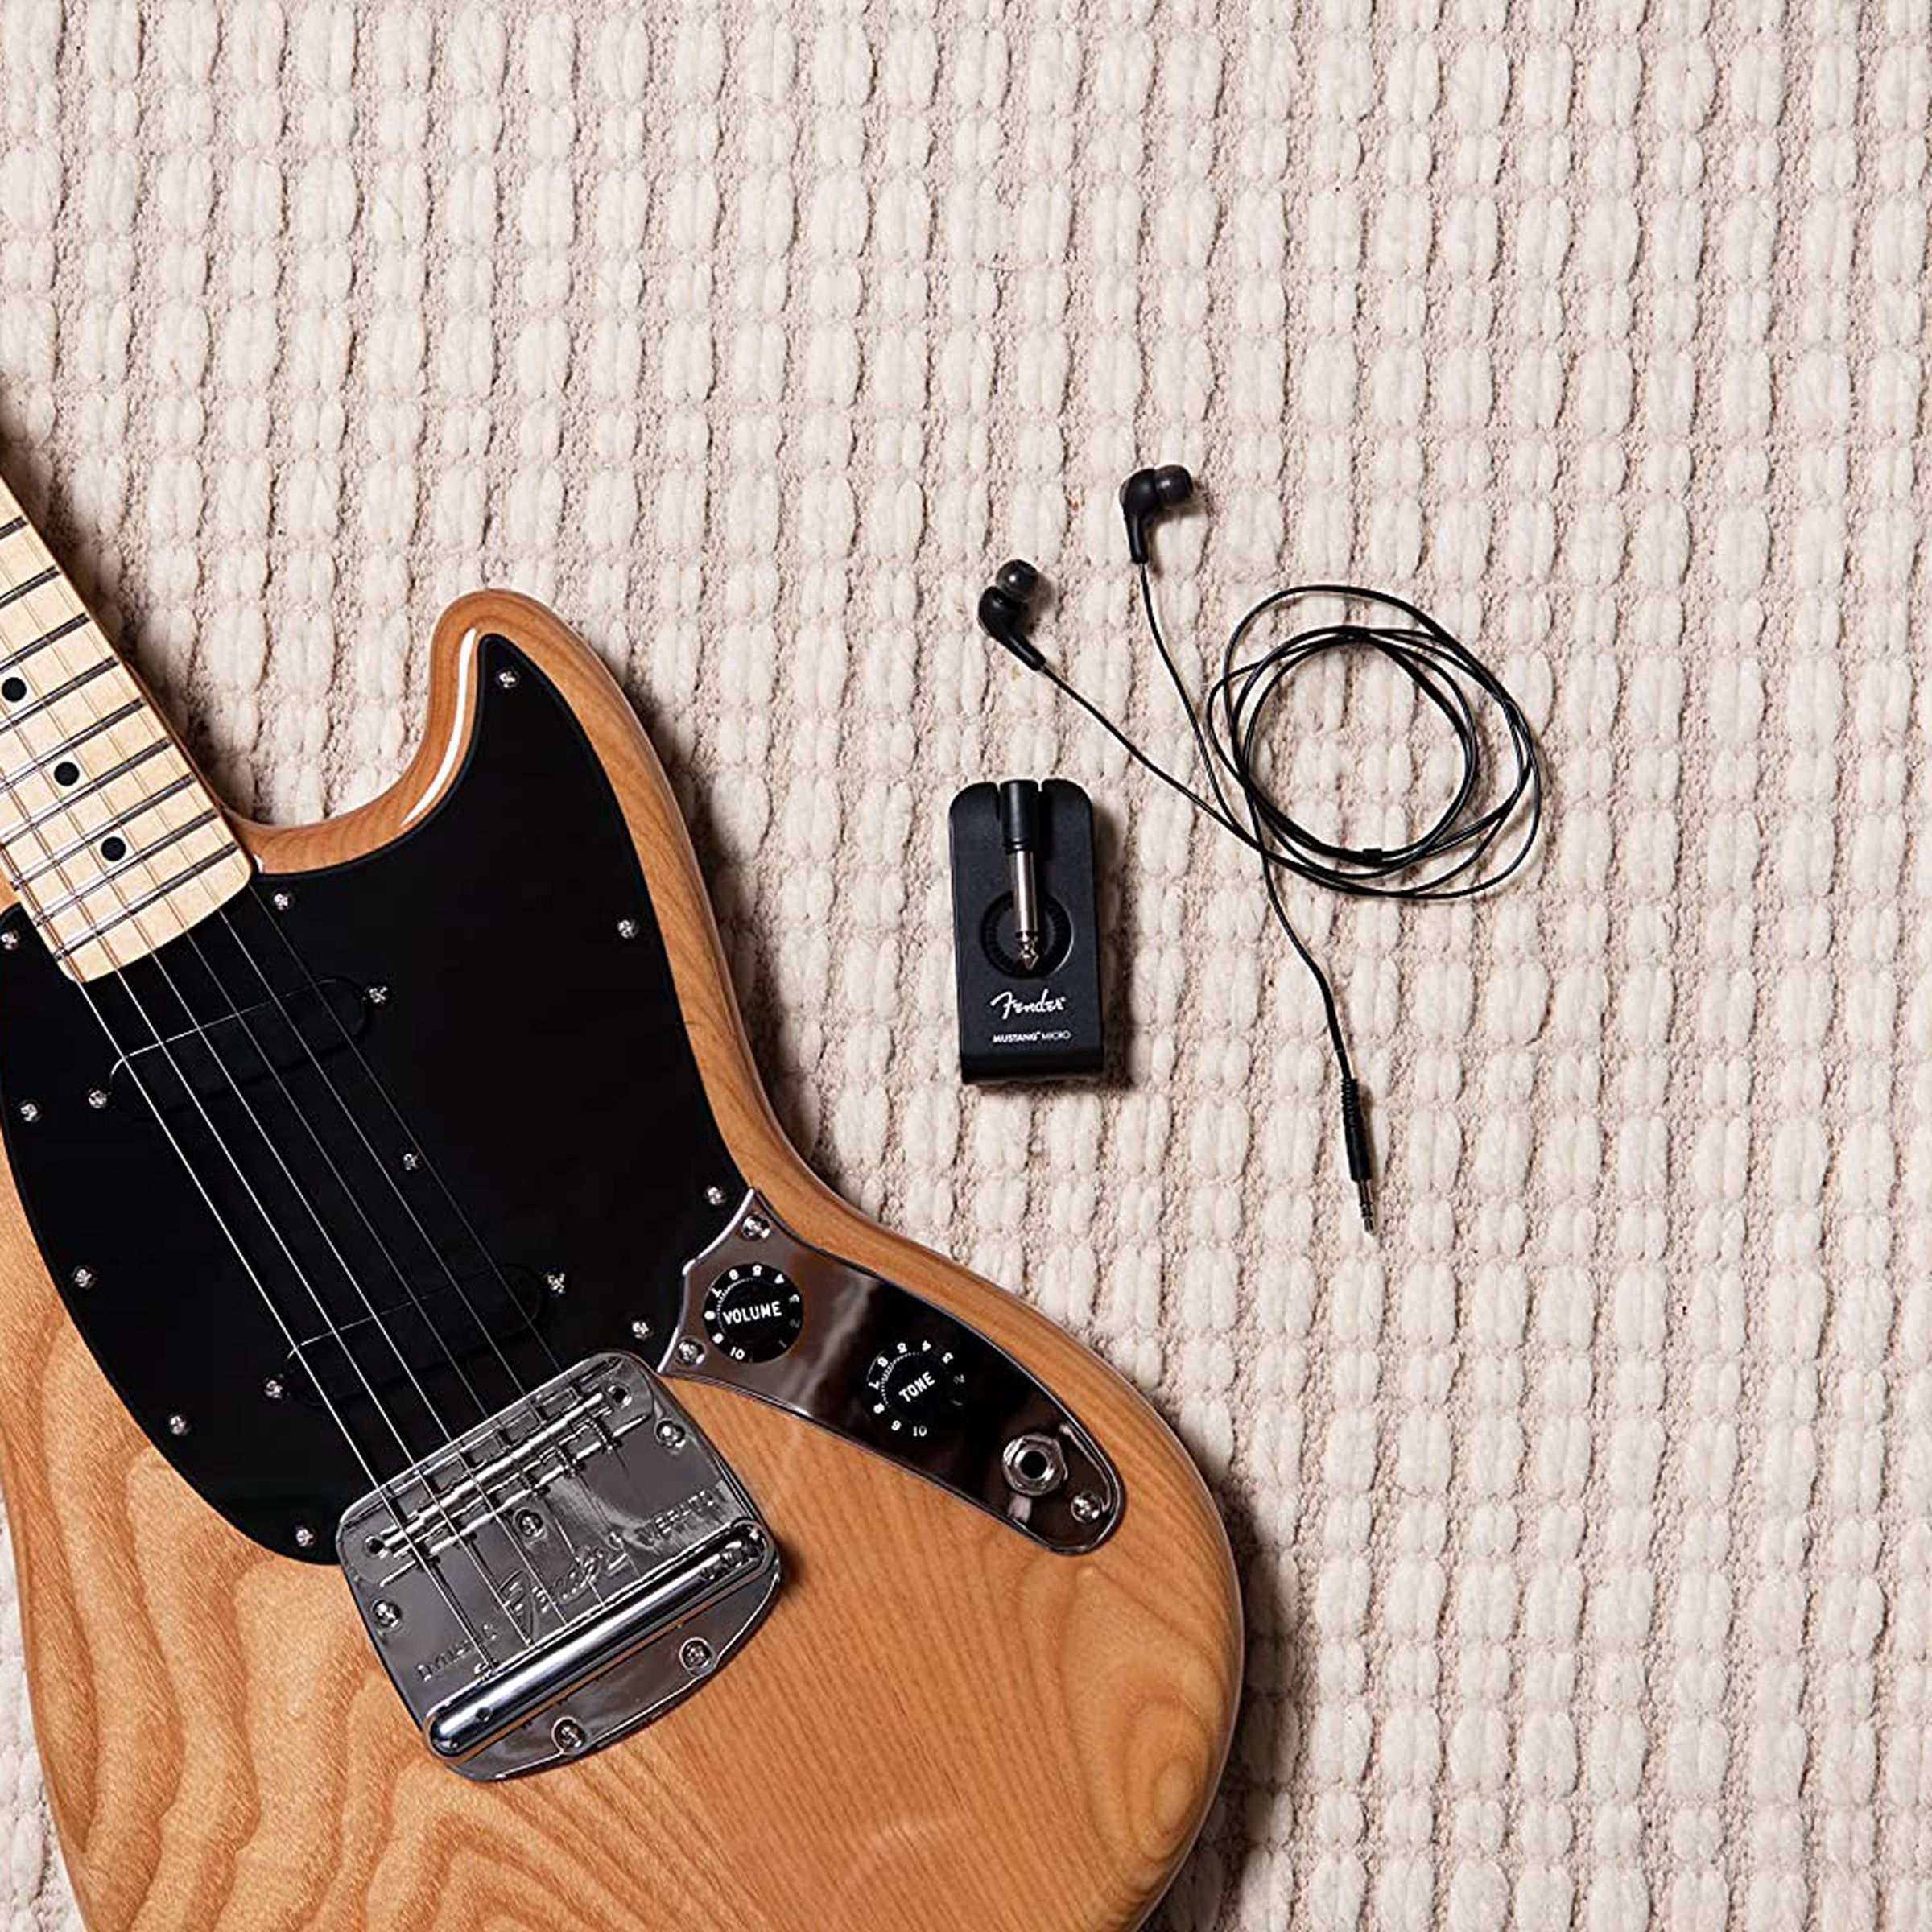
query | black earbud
[1004, 612]
[1149, 493]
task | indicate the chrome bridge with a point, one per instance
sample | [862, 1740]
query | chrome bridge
[559, 1575]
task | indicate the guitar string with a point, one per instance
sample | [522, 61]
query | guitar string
[383, 1093]
[435, 1176]
[408, 1206]
[397, 1515]
[127, 1056]
[237, 1012]
[520, 1397]
[568, 1472]
[32, 823]
[455, 1207]
[538, 1587]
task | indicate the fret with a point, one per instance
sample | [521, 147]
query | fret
[55, 859]
[31, 584]
[119, 716]
[138, 847]
[52, 908]
[94, 933]
[45, 639]
[60, 690]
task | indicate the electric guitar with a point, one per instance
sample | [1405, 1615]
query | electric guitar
[463, 1471]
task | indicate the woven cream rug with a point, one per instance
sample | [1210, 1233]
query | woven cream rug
[1585, 1520]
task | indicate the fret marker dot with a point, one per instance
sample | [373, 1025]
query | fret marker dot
[14, 690]
[67, 772]
[114, 850]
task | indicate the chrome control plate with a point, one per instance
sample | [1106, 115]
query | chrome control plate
[560, 1574]
[766, 1313]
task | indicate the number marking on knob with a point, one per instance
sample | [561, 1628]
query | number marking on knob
[913, 1388]
[753, 1313]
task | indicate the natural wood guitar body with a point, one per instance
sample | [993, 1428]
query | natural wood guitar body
[940, 1725]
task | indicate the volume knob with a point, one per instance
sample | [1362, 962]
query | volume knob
[914, 1388]
[753, 1313]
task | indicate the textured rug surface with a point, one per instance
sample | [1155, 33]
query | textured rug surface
[1586, 1521]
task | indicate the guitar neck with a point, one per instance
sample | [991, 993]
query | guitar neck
[110, 839]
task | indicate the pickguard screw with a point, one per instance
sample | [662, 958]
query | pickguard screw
[530, 1525]
[696, 1655]
[96, 1098]
[1088, 1507]
[566, 1734]
[641, 1329]
[378, 996]
[670, 1434]
[272, 1388]
[506, 678]
[691, 1353]
[280, 901]
[29, 1112]
[715, 1196]
[385, 1613]
[177, 1425]
[10, 940]
[82, 1277]
[754, 1228]
[556, 1281]
[305, 1536]
[412, 1160]
[627, 929]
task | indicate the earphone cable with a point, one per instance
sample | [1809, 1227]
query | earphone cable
[1471, 847]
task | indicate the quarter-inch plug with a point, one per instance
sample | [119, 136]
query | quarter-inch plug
[1020, 834]
[1355, 1137]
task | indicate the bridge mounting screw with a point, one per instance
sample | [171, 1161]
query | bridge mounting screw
[627, 929]
[506, 678]
[378, 996]
[385, 1613]
[82, 1277]
[691, 1352]
[754, 1227]
[641, 1329]
[305, 1536]
[670, 1434]
[530, 1525]
[96, 1098]
[280, 901]
[556, 1281]
[177, 1425]
[569, 1736]
[272, 1389]
[412, 1160]
[696, 1655]
[715, 1196]
[29, 1112]
[1088, 1507]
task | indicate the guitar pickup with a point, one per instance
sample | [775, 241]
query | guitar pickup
[276, 1035]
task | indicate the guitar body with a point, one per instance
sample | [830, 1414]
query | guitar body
[939, 1721]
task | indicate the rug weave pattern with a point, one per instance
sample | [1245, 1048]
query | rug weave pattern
[1586, 1522]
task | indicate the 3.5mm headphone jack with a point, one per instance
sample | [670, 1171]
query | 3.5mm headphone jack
[1355, 1137]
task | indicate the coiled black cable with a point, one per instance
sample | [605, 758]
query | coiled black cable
[1483, 836]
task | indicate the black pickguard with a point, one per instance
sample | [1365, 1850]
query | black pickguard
[506, 1148]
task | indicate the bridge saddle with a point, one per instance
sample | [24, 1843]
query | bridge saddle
[563, 1572]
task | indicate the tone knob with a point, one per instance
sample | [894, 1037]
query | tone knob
[915, 1387]
[753, 1313]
